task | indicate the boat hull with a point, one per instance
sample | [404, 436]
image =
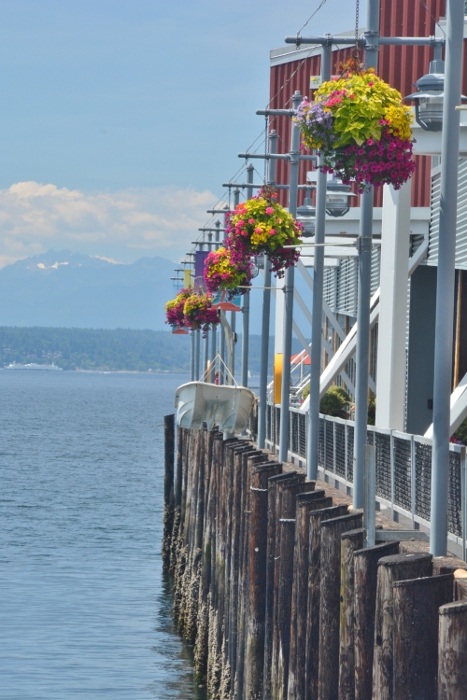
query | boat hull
[228, 407]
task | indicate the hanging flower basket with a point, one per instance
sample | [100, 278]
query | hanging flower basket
[198, 312]
[174, 309]
[221, 273]
[361, 128]
[261, 225]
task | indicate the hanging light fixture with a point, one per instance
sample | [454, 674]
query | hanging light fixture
[306, 215]
[429, 98]
[338, 197]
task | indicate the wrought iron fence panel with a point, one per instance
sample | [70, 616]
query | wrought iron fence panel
[422, 480]
[321, 443]
[269, 431]
[455, 495]
[403, 463]
[402, 472]
[329, 441]
[339, 447]
[302, 434]
[383, 464]
[350, 439]
[277, 424]
[293, 432]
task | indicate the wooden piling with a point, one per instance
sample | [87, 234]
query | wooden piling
[283, 575]
[416, 621]
[350, 542]
[365, 577]
[391, 570]
[169, 505]
[313, 602]
[249, 461]
[267, 571]
[452, 651]
[329, 613]
[306, 503]
[257, 551]
[274, 499]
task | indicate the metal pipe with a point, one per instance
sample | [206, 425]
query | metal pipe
[445, 279]
[317, 304]
[266, 316]
[246, 297]
[364, 287]
[288, 291]
[350, 41]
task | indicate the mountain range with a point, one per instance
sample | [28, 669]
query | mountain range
[65, 289]
[72, 290]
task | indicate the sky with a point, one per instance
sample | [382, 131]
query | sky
[121, 119]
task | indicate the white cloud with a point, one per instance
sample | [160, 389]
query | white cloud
[126, 224]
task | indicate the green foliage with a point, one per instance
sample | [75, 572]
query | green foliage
[335, 402]
[372, 410]
[461, 433]
[306, 391]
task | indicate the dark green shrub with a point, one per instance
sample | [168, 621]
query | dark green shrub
[335, 402]
[461, 433]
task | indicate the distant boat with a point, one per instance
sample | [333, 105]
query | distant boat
[33, 365]
[228, 407]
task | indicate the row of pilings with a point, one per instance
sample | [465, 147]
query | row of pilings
[278, 597]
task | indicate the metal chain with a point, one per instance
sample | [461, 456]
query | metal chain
[357, 16]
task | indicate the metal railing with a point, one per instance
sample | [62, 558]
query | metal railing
[403, 468]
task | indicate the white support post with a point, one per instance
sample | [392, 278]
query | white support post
[279, 323]
[392, 328]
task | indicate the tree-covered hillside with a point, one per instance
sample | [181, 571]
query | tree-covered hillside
[78, 348]
[113, 350]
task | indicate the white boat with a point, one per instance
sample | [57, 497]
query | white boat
[33, 365]
[228, 407]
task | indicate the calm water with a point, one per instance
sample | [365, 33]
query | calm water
[84, 608]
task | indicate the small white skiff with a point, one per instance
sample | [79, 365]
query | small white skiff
[228, 407]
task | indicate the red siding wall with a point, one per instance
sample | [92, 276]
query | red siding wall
[400, 66]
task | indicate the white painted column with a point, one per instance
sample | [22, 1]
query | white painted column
[391, 360]
[279, 324]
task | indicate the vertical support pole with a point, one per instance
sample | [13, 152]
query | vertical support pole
[390, 383]
[288, 291]
[233, 314]
[317, 309]
[364, 287]
[263, 378]
[205, 355]
[222, 354]
[193, 356]
[246, 297]
[445, 280]
[213, 352]
[197, 354]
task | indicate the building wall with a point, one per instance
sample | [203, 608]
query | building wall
[400, 66]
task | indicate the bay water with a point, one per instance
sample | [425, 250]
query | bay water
[85, 610]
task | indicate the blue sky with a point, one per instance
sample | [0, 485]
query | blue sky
[120, 119]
